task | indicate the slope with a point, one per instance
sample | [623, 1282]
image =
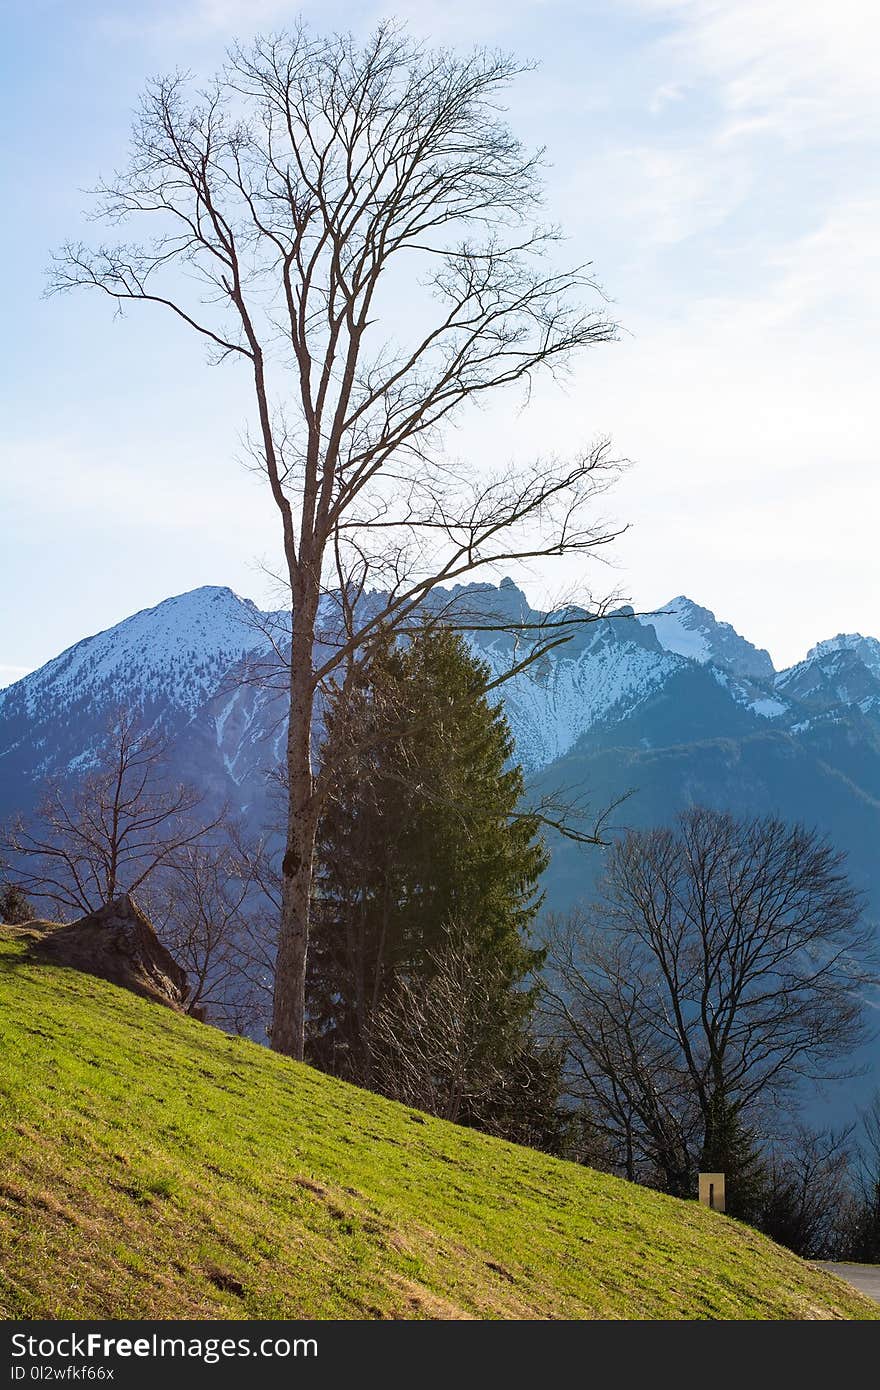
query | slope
[153, 1166]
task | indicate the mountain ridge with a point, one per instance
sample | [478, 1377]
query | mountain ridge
[181, 664]
[614, 718]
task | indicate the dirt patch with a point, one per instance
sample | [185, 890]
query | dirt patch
[311, 1186]
[226, 1283]
[423, 1303]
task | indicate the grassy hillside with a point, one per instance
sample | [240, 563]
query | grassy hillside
[151, 1166]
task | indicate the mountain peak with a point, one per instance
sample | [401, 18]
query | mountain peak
[176, 652]
[840, 671]
[867, 649]
[685, 628]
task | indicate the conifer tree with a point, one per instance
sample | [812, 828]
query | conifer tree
[14, 906]
[422, 844]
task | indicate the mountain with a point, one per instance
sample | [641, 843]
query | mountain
[184, 665]
[168, 662]
[665, 711]
[606, 670]
[677, 679]
[867, 649]
[172, 657]
[717, 727]
[832, 678]
[683, 627]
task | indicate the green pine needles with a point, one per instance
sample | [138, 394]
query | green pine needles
[427, 884]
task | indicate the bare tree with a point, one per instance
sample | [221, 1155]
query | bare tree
[110, 832]
[807, 1191]
[453, 1040]
[310, 189]
[433, 1042]
[725, 963]
[600, 1001]
[863, 1236]
[211, 913]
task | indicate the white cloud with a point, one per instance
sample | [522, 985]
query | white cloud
[803, 67]
[10, 674]
[665, 95]
[655, 195]
[751, 422]
[835, 267]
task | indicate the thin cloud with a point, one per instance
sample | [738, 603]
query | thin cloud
[803, 68]
[201, 19]
[10, 674]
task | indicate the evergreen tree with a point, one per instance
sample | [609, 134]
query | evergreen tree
[422, 842]
[732, 1147]
[14, 905]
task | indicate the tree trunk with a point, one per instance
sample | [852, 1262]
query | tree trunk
[289, 1000]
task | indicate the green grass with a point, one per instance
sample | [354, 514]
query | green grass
[151, 1166]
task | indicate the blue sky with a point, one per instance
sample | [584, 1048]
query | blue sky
[716, 160]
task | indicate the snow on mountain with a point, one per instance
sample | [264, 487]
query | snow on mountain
[867, 649]
[176, 654]
[688, 630]
[609, 669]
[831, 677]
[752, 695]
[181, 663]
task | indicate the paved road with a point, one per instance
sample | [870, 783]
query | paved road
[864, 1277]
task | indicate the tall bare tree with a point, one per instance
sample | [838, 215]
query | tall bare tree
[112, 831]
[366, 233]
[726, 962]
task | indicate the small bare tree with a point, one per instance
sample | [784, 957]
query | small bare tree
[726, 962]
[808, 1191]
[432, 1043]
[364, 228]
[110, 832]
[453, 1040]
[863, 1236]
[211, 913]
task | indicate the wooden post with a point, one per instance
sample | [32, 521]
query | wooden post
[712, 1190]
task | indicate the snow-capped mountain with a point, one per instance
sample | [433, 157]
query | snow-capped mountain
[674, 679]
[165, 662]
[683, 627]
[181, 664]
[867, 649]
[175, 655]
[607, 668]
[832, 678]
[665, 711]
